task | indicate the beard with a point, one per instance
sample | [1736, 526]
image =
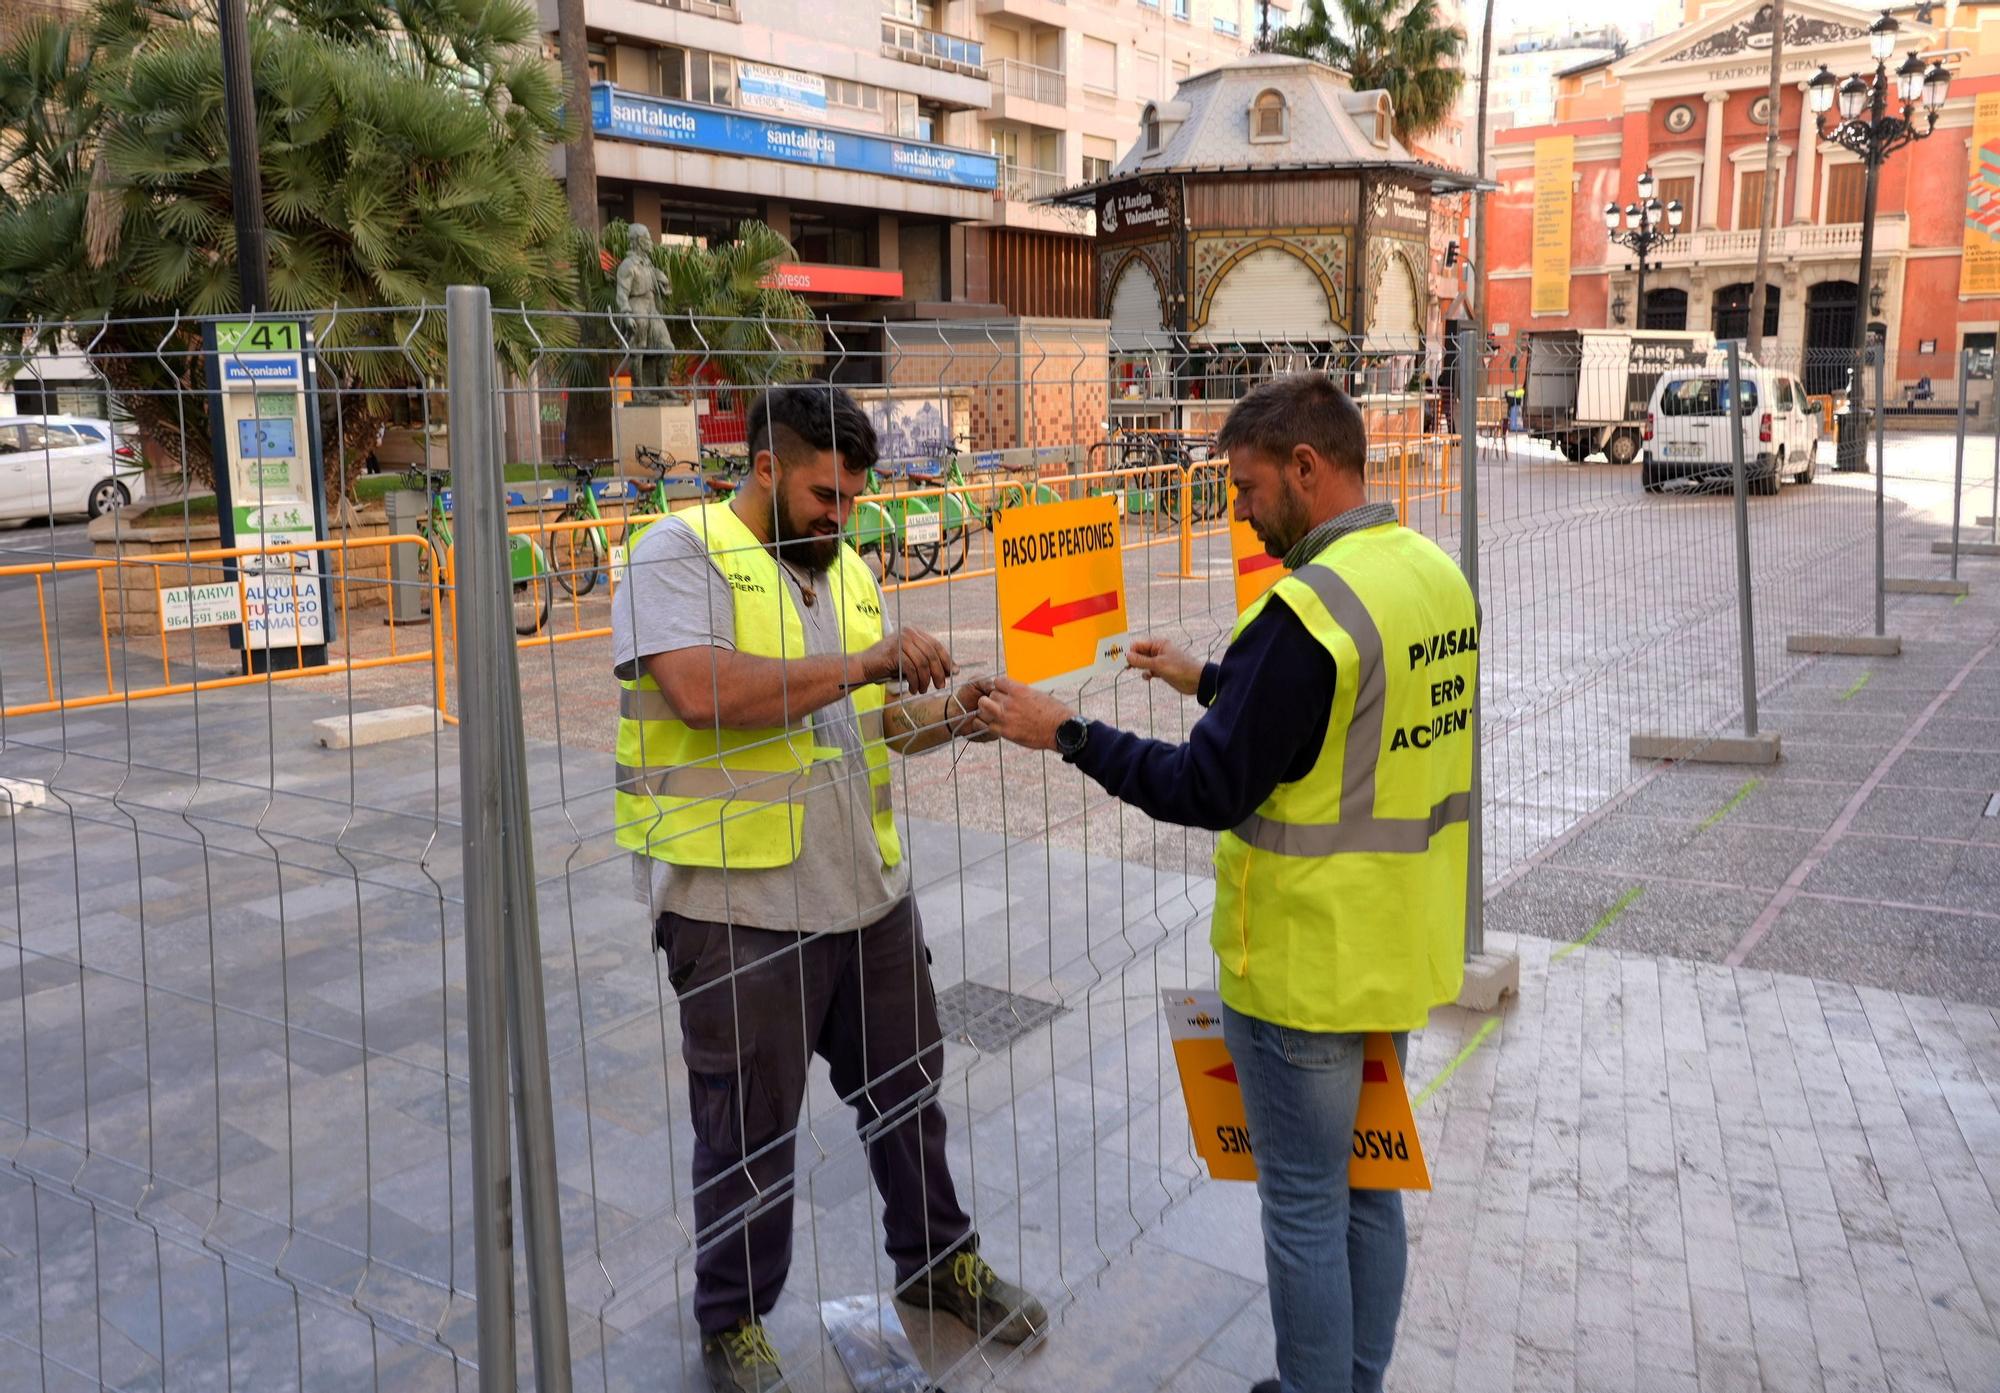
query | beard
[797, 542]
[1289, 521]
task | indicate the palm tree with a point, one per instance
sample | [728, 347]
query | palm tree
[404, 148]
[1409, 53]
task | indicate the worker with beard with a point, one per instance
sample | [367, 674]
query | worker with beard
[1335, 760]
[760, 697]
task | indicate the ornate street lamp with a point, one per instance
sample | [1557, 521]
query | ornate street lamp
[1873, 131]
[1648, 226]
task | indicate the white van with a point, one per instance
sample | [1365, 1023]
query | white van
[1687, 428]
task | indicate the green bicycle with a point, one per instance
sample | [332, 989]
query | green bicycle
[525, 562]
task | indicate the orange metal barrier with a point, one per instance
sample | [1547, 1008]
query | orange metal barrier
[181, 567]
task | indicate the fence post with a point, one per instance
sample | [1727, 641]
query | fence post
[1958, 462]
[1993, 505]
[499, 873]
[469, 343]
[1879, 353]
[1746, 624]
[1468, 562]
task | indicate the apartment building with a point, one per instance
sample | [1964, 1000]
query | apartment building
[1069, 79]
[831, 120]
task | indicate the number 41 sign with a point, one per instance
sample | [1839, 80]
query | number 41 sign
[264, 433]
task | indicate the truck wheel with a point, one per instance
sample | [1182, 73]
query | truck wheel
[1622, 448]
[1767, 479]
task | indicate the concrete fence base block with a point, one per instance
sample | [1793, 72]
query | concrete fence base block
[1707, 749]
[1982, 522]
[1912, 585]
[375, 727]
[1488, 977]
[1966, 549]
[16, 794]
[1847, 645]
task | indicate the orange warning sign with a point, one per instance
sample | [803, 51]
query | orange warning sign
[1061, 579]
[1255, 569]
[1386, 1154]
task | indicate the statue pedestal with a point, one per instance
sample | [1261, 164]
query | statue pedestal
[667, 426]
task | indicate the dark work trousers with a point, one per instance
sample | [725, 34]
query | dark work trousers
[756, 1005]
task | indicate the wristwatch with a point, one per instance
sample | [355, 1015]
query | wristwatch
[1070, 736]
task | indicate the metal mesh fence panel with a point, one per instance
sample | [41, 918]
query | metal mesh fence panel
[832, 999]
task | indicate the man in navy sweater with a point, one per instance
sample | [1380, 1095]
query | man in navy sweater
[1335, 760]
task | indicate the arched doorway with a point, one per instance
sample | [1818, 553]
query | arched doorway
[1830, 310]
[1666, 309]
[1269, 296]
[1134, 310]
[1392, 319]
[1732, 311]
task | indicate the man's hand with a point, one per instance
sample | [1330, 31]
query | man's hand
[1022, 714]
[1155, 657]
[961, 712]
[909, 656]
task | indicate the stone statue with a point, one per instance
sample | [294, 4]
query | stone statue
[640, 288]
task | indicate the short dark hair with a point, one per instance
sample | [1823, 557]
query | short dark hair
[1306, 408]
[819, 415]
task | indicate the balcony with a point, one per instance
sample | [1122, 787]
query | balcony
[1050, 12]
[932, 49]
[1020, 183]
[714, 9]
[1025, 92]
[1799, 241]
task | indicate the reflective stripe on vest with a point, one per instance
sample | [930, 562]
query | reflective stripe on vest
[1340, 902]
[1358, 829]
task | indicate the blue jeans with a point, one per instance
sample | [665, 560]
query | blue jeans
[1335, 1257]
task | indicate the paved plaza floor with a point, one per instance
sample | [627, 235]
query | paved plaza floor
[1740, 1129]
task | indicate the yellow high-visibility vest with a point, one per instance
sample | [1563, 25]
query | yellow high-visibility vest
[708, 797]
[1340, 902]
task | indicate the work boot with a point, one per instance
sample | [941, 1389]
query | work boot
[991, 1307]
[1269, 1385]
[741, 1360]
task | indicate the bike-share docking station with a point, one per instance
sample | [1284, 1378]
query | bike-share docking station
[265, 443]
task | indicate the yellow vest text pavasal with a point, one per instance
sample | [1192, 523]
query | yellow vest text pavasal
[736, 798]
[1340, 902]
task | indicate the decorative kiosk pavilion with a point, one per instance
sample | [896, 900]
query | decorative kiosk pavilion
[1267, 220]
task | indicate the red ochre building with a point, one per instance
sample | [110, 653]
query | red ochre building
[1691, 107]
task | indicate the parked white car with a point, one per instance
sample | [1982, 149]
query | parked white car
[1688, 422]
[63, 466]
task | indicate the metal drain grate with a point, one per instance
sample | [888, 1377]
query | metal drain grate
[988, 1018]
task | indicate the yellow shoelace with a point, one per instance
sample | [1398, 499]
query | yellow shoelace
[752, 1346]
[970, 1271]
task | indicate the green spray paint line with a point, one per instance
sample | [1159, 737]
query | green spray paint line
[1604, 921]
[1963, 597]
[1491, 1024]
[1736, 801]
[1859, 683]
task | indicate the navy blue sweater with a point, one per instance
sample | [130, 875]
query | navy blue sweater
[1268, 701]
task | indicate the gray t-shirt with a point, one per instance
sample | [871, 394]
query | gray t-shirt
[674, 597]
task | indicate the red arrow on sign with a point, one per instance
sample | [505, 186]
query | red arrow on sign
[1225, 1072]
[1261, 561]
[1046, 617]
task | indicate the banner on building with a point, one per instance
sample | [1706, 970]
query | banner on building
[780, 91]
[1979, 267]
[1555, 169]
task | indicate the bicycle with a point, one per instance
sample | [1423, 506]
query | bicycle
[525, 561]
[954, 513]
[580, 551]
